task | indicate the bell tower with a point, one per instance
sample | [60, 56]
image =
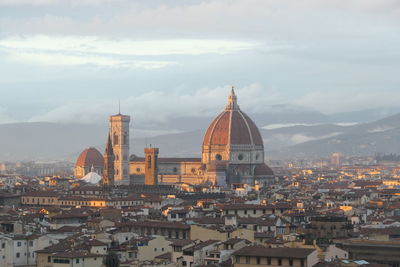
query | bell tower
[119, 133]
[151, 168]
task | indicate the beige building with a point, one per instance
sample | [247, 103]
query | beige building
[204, 233]
[42, 198]
[256, 256]
[72, 259]
[156, 246]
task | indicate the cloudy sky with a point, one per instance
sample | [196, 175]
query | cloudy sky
[72, 60]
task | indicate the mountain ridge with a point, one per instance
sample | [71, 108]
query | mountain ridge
[64, 141]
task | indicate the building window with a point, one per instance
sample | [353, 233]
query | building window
[184, 263]
[218, 157]
[149, 162]
[31, 243]
[3, 245]
[137, 169]
[302, 263]
[115, 141]
[240, 157]
[258, 260]
[175, 170]
[247, 260]
[61, 261]
[77, 261]
[18, 244]
[48, 258]
[17, 255]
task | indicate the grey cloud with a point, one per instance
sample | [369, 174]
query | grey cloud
[154, 107]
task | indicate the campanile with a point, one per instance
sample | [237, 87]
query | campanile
[119, 132]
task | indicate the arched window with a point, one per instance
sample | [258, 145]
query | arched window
[125, 139]
[115, 139]
[149, 162]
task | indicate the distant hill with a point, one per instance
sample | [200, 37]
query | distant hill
[58, 141]
[47, 141]
[363, 139]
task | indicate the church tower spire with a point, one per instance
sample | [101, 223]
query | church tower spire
[108, 174]
[232, 101]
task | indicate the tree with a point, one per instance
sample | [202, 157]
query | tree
[111, 260]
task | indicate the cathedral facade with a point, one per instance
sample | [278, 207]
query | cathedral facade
[232, 152]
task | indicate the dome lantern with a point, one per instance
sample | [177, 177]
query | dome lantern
[232, 101]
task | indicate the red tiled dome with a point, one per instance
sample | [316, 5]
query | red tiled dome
[90, 157]
[234, 127]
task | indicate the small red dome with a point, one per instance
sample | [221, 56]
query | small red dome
[90, 157]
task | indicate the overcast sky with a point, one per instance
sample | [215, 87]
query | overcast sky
[71, 60]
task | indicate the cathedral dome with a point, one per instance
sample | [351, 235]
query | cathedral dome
[232, 127]
[90, 157]
[233, 137]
